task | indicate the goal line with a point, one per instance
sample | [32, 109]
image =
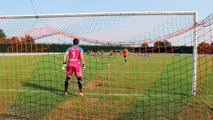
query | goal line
[89, 94]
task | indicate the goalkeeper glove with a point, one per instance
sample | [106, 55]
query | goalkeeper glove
[84, 66]
[64, 65]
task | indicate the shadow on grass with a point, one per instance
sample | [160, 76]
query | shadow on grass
[37, 99]
[44, 86]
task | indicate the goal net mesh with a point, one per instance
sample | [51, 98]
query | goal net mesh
[155, 81]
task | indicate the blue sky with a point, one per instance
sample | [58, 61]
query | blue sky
[23, 7]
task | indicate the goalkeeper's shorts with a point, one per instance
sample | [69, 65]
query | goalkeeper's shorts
[76, 69]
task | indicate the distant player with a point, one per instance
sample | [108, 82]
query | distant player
[111, 52]
[75, 61]
[100, 52]
[125, 54]
[92, 53]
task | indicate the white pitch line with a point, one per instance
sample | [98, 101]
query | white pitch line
[93, 71]
[97, 94]
[27, 54]
[130, 72]
[13, 90]
[115, 94]
[89, 94]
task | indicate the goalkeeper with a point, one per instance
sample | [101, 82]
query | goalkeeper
[75, 61]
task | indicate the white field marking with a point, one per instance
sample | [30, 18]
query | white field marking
[26, 54]
[89, 94]
[13, 90]
[136, 95]
[52, 53]
[111, 72]
[97, 94]
[92, 94]
[121, 94]
[29, 70]
[131, 72]
[94, 71]
[16, 70]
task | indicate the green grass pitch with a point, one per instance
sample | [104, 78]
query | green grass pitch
[144, 87]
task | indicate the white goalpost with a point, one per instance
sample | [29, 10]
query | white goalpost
[194, 56]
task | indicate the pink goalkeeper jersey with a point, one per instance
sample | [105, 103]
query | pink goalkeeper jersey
[74, 55]
[74, 61]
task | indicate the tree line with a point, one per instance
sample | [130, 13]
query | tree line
[158, 46]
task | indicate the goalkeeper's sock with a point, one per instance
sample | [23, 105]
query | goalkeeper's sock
[80, 84]
[66, 84]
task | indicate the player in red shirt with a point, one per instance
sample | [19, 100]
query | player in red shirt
[125, 53]
[75, 61]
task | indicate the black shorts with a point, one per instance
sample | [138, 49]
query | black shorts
[124, 56]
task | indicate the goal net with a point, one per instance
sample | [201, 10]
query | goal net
[167, 73]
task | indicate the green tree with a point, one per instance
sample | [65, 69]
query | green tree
[165, 43]
[29, 39]
[2, 34]
[158, 44]
[145, 45]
